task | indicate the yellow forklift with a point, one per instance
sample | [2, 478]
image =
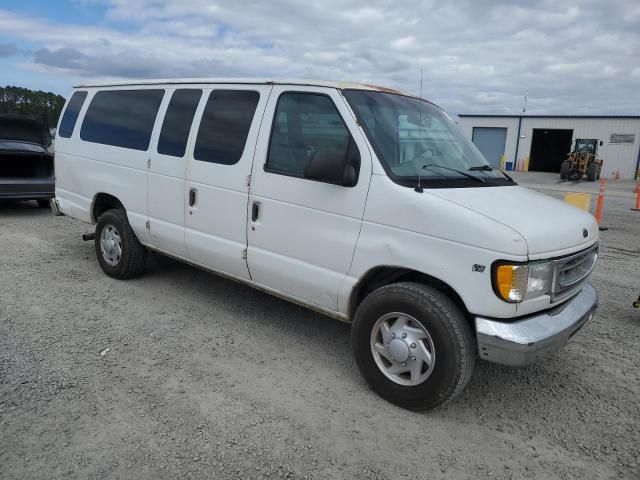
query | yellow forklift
[582, 162]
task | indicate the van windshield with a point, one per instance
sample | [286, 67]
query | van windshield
[417, 142]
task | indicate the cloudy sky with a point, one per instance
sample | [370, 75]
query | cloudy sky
[477, 56]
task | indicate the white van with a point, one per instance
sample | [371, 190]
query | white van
[360, 202]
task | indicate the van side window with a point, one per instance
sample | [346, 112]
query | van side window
[177, 122]
[70, 116]
[122, 118]
[225, 126]
[305, 124]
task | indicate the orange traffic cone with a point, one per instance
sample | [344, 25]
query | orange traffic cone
[637, 209]
[600, 204]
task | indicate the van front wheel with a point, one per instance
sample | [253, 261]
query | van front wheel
[413, 345]
[119, 252]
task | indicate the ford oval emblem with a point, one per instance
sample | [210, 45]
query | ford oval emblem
[585, 232]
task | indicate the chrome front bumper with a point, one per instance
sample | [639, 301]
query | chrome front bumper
[524, 341]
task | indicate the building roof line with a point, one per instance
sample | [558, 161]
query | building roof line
[469, 115]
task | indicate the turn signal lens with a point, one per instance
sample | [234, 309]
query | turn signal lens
[511, 282]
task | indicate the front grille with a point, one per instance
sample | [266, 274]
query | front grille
[572, 271]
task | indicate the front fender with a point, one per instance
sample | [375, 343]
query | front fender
[455, 264]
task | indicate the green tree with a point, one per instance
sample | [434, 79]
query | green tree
[39, 104]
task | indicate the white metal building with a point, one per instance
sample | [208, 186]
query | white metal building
[542, 142]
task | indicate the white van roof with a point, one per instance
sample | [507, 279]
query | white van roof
[246, 81]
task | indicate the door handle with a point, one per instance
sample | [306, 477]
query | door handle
[255, 211]
[192, 197]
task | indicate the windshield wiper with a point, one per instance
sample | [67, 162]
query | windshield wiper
[465, 174]
[487, 168]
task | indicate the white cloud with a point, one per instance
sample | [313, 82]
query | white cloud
[404, 43]
[573, 57]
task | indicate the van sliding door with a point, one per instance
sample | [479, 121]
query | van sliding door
[168, 169]
[219, 165]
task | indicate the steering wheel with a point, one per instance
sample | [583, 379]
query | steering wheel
[425, 154]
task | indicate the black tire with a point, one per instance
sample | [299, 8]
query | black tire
[134, 255]
[575, 176]
[455, 353]
[592, 172]
[43, 203]
[564, 170]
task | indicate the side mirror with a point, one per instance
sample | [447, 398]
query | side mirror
[332, 166]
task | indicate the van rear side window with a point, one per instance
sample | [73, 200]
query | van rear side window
[70, 116]
[225, 126]
[122, 118]
[177, 122]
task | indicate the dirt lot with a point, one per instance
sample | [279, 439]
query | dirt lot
[204, 378]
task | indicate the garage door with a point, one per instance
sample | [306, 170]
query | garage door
[490, 141]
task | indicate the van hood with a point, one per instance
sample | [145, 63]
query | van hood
[549, 227]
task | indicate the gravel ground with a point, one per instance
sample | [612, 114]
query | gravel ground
[205, 378]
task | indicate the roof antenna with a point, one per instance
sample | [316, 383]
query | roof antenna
[419, 188]
[420, 111]
[524, 107]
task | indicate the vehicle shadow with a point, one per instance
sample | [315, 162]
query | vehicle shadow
[14, 208]
[261, 312]
[504, 391]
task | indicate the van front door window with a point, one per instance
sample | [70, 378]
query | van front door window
[305, 125]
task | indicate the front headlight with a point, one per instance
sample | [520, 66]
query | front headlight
[540, 279]
[518, 282]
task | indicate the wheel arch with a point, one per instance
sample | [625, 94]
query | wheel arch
[383, 275]
[102, 202]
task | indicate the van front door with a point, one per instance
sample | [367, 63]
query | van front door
[218, 172]
[167, 171]
[303, 233]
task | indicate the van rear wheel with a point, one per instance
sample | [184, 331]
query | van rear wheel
[119, 252]
[413, 345]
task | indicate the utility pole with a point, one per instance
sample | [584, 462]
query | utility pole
[524, 112]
